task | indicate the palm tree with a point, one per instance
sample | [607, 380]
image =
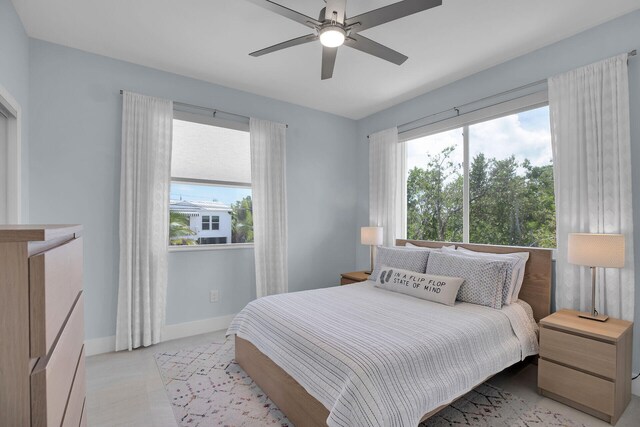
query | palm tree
[242, 221]
[179, 229]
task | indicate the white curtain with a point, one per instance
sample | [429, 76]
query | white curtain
[269, 193]
[387, 185]
[590, 133]
[144, 219]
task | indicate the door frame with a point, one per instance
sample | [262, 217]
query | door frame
[11, 108]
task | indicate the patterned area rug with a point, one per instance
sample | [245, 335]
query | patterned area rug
[207, 388]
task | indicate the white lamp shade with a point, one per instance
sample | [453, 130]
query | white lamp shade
[596, 250]
[371, 236]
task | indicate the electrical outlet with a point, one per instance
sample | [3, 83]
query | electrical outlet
[214, 296]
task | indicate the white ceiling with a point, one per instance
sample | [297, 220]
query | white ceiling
[210, 40]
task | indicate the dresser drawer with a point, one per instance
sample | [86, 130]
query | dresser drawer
[572, 350]
[55, 280]
[52, 377]
[73, 413]
[577, 386]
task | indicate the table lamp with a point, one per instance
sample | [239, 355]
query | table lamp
[596, 250]
[371, 236]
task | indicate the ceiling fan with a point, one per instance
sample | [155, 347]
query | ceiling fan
[334, 29]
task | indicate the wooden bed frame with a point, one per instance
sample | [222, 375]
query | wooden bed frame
[304, 410]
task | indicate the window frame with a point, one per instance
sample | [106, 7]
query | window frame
[192, 115]
[464, 121]
[205, 220]
[215, 222]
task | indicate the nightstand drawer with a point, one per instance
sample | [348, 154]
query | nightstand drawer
[585, 389]
[344, 281]
[583, 353]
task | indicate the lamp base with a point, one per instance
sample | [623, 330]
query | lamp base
[598, 318]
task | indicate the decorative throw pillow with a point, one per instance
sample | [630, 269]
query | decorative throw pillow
[440, 289]
[483, 278]
[514, 277]
[406, 259]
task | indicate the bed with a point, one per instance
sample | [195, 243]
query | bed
[348, 356]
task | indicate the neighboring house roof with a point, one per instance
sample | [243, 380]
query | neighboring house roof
[196, 207]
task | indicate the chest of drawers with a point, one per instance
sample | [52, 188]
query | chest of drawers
[586, 364]
[42, 380]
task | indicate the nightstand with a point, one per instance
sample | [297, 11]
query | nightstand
[586, 364]
[353, 277]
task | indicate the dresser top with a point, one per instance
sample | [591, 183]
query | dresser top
[38, 233]
[568, 320]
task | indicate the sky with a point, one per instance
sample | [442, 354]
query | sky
[197, 192]
[526, 135]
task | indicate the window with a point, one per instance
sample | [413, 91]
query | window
[487, 182]
[210, 222]
[435, 187]
[210, 182]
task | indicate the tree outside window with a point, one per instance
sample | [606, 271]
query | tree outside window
[510, 182]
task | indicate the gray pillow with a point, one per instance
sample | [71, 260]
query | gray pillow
[515, 273]
[484, 278]
[511, 275]
[406, 259]
[440, 289]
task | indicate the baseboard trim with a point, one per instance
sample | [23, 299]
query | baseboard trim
[171, 332]
[197, 327]
[635, 387]
[99, 345]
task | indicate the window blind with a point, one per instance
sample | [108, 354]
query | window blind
[210, 154]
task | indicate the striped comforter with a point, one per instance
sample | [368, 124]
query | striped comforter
[379, 358]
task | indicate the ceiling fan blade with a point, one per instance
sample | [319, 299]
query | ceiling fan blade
[328, 61]
[289, 43]
[338, 6]
[366, 45]
[287, 13]
[390, 13]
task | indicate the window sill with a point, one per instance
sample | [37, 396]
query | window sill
[218, 247]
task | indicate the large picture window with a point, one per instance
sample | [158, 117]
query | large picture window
[487, 182]
[210, 182]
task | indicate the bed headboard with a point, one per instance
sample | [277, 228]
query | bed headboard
[536, 286]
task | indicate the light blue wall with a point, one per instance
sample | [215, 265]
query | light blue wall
[75, 167]
[612, 38]
[14, 76]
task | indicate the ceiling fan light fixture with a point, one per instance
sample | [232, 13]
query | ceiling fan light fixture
[332, 36]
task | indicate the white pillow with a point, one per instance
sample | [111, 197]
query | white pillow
[440, 289]
[518, 260]
[411, 245]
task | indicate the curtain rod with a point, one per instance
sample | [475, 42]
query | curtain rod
[213, 110]
[457, 109]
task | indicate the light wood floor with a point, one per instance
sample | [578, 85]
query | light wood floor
[125, 389]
